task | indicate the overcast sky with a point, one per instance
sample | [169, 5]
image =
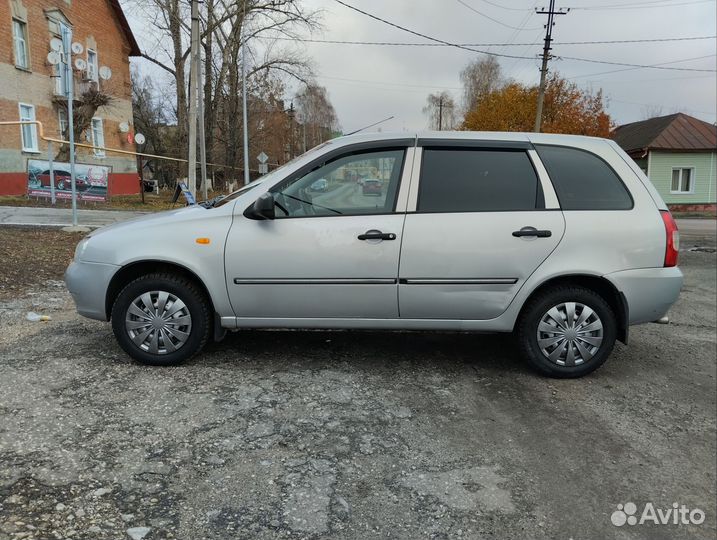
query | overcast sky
[367, 83]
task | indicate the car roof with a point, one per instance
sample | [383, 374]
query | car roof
[536, 138]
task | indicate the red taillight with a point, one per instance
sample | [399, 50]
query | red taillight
[672, 249]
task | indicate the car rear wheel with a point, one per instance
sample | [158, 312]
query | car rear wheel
[161, 319]
[567, 331]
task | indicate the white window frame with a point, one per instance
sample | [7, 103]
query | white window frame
[93, 65]
[31, 128]
[20, 40]
[98, 141]
[692, 181]
[62, 120]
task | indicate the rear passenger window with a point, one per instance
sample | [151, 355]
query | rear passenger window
[476, 180]
[582, 180]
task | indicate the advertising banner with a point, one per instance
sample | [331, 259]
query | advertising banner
[91, 181]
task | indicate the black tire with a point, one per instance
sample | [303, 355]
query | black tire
[197, 305]
[539, 305]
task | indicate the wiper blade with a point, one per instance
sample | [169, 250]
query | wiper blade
[211, 203]
[311, 203]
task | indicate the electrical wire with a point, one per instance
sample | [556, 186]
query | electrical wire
[656, 66]
[642, 5]
[456, 45]
[461, 2]
[510, 44]
[505, 7]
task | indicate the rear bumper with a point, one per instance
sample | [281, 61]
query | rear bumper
[649, 292]
[87, 283]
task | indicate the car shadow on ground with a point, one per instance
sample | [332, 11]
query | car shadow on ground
[367, 349]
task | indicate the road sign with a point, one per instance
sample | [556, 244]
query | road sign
[263, 158]
[263, 168]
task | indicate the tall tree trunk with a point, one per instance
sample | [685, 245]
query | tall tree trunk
[175, 29]
[209, 110]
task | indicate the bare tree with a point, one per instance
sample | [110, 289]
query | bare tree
[441, 111]
[316, 116]
[479, 78]
[224, 25]
[651, 111]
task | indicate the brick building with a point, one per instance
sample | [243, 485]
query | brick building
[30, 87]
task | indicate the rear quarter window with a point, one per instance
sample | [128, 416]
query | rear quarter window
[477, 180]
[582, 180]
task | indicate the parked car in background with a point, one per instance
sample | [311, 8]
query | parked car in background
[560, 239]
[320, 185]
[63, 180]
[372, 186]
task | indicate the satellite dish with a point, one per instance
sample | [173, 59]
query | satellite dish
[77, 47]
[80, 64]
[105, 73]
[53, 58]
[139, 138]
[124, 127]
[56, 44]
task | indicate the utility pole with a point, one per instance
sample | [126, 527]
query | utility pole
[69, 94]
[546, 56]
[202, 136]
[193, 94]
[245, 126]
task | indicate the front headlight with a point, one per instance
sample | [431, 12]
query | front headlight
[81, 247]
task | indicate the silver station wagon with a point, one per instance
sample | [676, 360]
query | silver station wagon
[559, 239]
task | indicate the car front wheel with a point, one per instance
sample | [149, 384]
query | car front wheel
[161, 319]
[567, 331]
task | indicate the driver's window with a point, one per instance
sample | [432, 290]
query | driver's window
[359, 183]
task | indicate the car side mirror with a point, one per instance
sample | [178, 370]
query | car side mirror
[263, 208]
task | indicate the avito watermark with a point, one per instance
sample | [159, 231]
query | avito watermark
[677, 514]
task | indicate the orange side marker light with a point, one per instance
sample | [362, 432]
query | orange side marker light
[203, 241]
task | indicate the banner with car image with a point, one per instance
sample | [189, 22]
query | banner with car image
[91, 181]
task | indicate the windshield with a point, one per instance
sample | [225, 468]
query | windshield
[267, 177]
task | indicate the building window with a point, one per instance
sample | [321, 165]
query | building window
[62, 121]
[98, 136]
[92, 65]
[28, 132]
[682, 181]
[19, 35]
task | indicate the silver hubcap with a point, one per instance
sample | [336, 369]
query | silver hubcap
[570, 334]
[158, 322]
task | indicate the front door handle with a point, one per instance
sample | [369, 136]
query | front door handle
[532, 231]
[376, 235]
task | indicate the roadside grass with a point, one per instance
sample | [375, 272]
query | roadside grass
[31, 256]
[153, 202]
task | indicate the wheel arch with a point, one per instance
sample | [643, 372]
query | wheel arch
[136, 269]
[602, 286]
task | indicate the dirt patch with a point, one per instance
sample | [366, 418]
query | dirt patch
[32, 256]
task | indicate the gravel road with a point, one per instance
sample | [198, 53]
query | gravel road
[352, 435]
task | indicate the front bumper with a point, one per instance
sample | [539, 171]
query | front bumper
[650, 292]
[87, 283]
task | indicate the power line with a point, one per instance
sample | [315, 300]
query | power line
[419, 34]
[652, 66]
[642, 5]
[506, 7]
[640, 66]
[456, 45]
[411, 44]
[461, 2]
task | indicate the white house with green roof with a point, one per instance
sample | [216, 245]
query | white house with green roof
[679, 155]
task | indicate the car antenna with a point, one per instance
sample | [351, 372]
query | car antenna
[374, 124]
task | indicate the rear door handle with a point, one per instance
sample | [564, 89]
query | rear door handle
[376, 235]
[532, 231]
